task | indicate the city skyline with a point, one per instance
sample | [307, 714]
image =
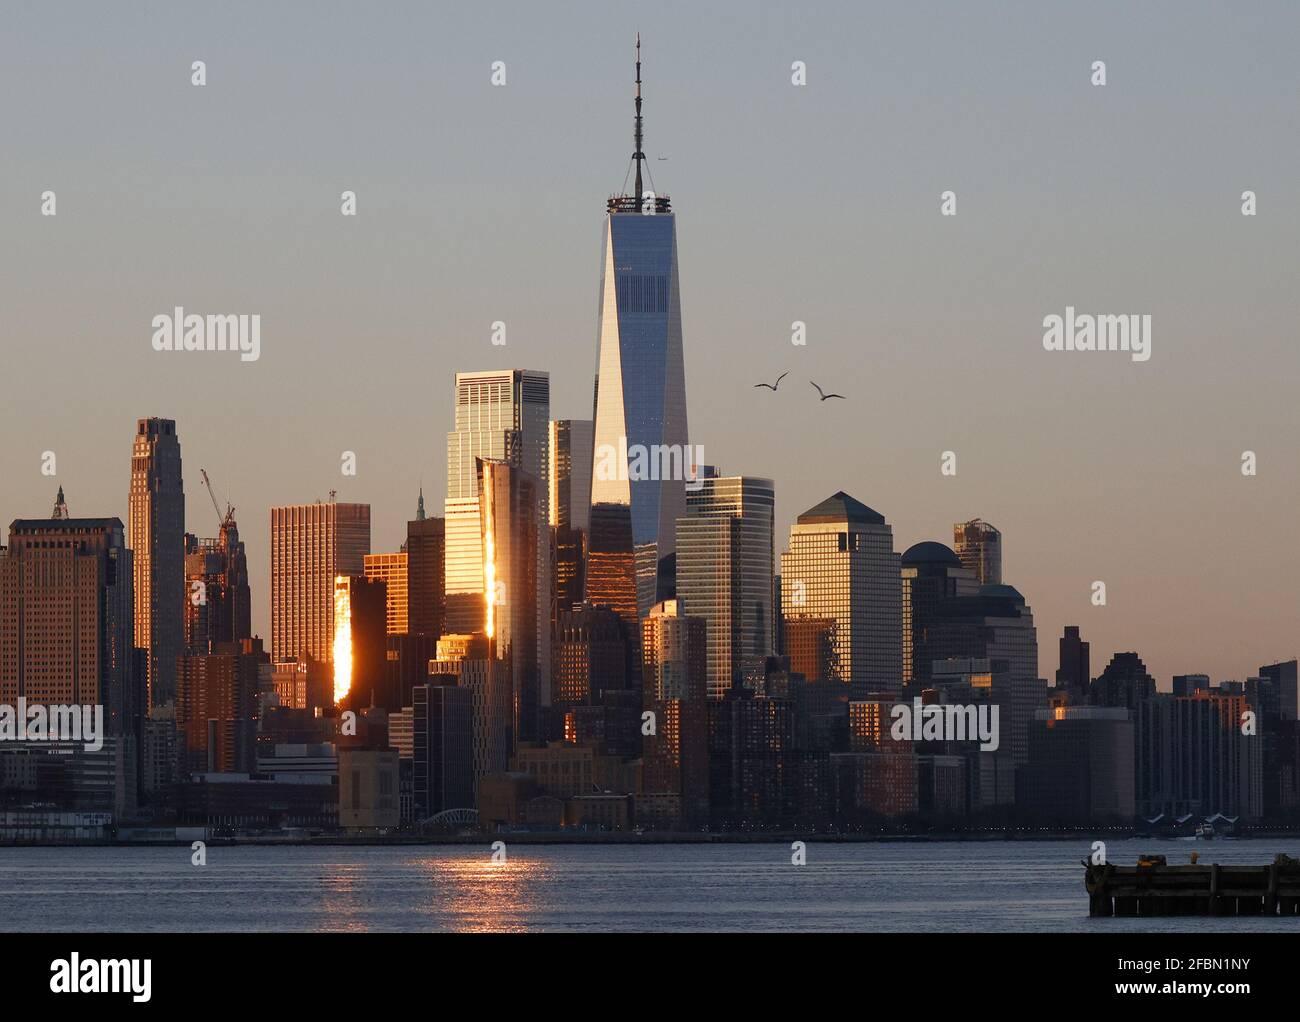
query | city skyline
[1128, 489]
[1164, 680]
[744, 467]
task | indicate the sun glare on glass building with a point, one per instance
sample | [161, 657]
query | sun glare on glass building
[640, 399]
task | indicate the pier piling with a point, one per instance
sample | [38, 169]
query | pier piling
[1154, 888]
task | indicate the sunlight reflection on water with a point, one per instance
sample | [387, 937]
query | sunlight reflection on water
[939, 886]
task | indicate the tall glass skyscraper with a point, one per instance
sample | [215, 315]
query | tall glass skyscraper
[503, 415]
[156, 534]
[640, 450]
[512, 529]
[725, 570]
[841, 566]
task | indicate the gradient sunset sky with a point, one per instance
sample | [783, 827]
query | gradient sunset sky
[820, 204]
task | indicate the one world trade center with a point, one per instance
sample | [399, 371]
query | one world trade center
[640, 460]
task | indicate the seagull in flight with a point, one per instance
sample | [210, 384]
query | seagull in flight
[825, 396]
[773, 386]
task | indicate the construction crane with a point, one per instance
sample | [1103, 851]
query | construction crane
[229, 516]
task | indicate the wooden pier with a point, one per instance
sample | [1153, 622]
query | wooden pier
[1153, 888]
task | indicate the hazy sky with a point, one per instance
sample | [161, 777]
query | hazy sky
[819, 203]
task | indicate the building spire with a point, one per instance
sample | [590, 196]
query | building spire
[638, 156]
[419, 507]
[60, 507]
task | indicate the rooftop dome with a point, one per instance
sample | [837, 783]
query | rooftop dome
[930, 553]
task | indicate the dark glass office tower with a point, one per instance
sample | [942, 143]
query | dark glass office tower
[511, 523]
[426, 546]
[996, 625]
[442, 715]
[640, 398]
[932, 573]
[366, 622]
[570, 510]
[1074, 675]
[156, 534]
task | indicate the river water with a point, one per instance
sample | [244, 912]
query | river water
[963, 886]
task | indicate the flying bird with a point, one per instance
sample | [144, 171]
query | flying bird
[825, 396]
[773, 386]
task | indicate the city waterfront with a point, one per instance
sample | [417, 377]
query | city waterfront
[964, 886]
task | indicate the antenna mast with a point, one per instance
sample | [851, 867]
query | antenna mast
[638, 156]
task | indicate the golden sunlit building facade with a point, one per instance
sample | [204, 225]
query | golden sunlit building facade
[392, 570]
[841, 566]
[311, 545]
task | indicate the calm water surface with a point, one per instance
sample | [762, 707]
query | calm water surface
[951, 886]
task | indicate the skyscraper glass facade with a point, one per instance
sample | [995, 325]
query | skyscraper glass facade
[503, 416]
[640, 400]
[156, 534]
[725, 569]
[841, 565]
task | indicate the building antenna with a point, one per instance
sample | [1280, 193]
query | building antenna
[638, 156]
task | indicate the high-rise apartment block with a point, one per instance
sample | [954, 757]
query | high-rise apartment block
[312, 545]
[216, 707]
[1193, 757]
[66, 618]
[675, 678]
[218, 603]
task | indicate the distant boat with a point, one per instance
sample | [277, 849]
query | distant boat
[1205, 831]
